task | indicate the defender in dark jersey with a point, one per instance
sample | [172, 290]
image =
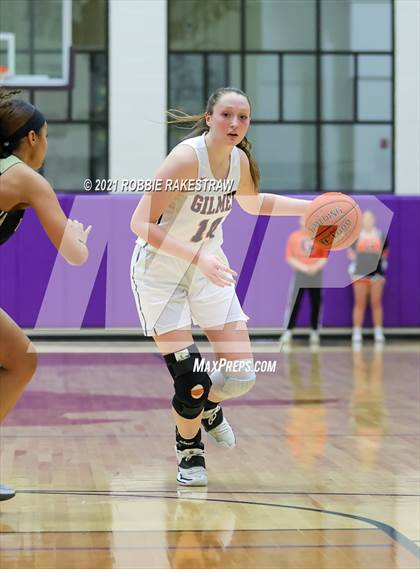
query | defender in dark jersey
[23, 146]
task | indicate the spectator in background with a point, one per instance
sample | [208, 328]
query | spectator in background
[368, 264]
[307, 259]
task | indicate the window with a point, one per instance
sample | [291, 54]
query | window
[319, 74]
[77, 116]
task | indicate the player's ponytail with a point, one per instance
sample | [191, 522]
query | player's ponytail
[195, 123]
[17, 118]
[197, 126]
[246, 146]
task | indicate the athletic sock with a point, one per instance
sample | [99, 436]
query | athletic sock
[184, 444]
[209, 405]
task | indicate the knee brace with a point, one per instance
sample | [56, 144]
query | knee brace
[191, 387]
[234, 378]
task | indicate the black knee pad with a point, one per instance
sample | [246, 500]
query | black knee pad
[191, 387]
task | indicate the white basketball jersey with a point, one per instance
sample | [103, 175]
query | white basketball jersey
[196, 216]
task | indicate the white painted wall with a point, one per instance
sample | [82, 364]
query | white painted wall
[137, 89]
[407, 97]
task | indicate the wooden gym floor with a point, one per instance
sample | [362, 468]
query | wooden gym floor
[324, 475]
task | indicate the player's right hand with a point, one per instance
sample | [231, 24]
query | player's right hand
[80, 233]
[216, 270]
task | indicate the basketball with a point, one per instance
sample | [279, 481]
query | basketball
[333, 220]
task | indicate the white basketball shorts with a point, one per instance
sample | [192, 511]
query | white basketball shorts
[171, 294]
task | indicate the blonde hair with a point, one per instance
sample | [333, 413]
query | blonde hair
[199, 126]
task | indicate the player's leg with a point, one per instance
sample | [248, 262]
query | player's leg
[219, 314]
[233, 378]
[17, 366]
[191, 389]
[187, 409]
[361, 293]
[376, 291]
[17, 363]
[161, 296]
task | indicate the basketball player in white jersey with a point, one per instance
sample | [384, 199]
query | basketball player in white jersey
[179, 272]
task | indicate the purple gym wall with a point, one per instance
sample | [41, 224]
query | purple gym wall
[38, 289]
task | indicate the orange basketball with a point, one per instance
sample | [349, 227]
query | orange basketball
[333, 220]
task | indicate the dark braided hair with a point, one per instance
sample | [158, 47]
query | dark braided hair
[14, 114]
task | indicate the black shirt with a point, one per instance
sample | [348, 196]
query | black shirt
[9, 220]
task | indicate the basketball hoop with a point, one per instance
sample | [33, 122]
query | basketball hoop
[58, 75]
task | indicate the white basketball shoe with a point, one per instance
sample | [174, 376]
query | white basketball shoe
[191, 466]
[218, 428]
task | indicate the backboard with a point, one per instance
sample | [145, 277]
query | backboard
[35, 43]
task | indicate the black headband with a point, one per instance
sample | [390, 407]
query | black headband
[35, 122]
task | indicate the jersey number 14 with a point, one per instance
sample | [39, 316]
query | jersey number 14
[202, 228]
